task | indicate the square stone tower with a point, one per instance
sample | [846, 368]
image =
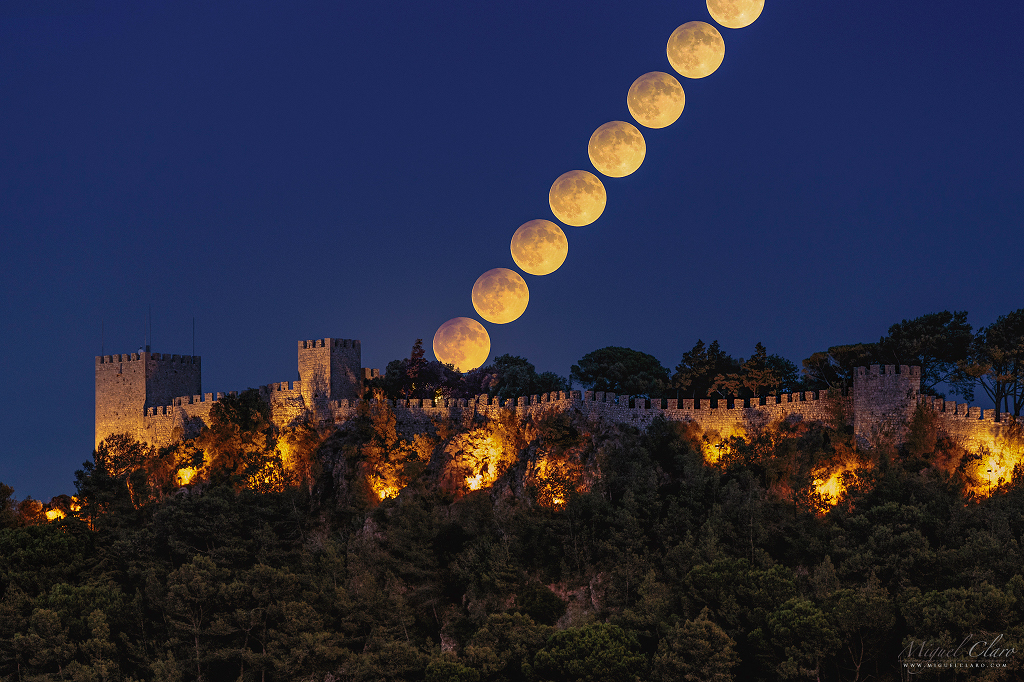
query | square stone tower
[128, 383]
[330, 369]
[884, 400]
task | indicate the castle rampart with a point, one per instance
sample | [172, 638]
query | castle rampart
[883, 400]
[138, 394]
[330, 369]
[971, 427]
[128, 384]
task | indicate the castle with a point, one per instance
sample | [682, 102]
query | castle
[158, 399]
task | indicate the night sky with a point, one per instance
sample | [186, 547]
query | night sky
[295, 170]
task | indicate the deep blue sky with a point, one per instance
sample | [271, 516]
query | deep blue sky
[289, 170]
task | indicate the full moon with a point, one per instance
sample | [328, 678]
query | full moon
[735, 13]
[462, 342]
[617, 149]
[500, 295]
[539, 247]
[696, 49]
[655, 100]
[577, 198]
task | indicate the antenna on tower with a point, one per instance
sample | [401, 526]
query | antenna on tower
[193, 336]
[150, 326]
[101, 337]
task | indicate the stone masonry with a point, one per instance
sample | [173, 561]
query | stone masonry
[157, 399]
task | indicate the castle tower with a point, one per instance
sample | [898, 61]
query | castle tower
[884, 400]
[330, 369]
[128, 383]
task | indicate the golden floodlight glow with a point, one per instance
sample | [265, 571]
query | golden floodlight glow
[735, 13]
[577, 198]
[656, 99]
[696, 49]
[539, 247]
[500, 295]
[462, 342]
[617, 149]
[185, 475]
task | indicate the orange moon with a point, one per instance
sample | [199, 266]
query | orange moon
[500, 295]
[577, 198]
[735, 13]
[655, 100]
[696, 49]
[462, 342]
[617, 149]
[539, 247]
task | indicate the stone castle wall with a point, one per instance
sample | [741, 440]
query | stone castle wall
[132, 396]
[330, 368]
[883, 400]
[727, 417]
[971, 427]
[129, 384]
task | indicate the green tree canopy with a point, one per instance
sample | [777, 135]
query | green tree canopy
[695, 651]
[936, 342]
[833, 368]
[700, 366]
[996, 361]
[593, 653]
[511, 376]
[761, 374]
[621, 370]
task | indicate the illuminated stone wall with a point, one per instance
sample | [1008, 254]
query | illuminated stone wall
[883, 401]
[727, 417]
[130, 383]
[330, 368]
[148, 396]
[969, 426]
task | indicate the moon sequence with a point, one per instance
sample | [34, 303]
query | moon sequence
[578, 198]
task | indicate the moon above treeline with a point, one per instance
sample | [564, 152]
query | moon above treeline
[735, 13]
[617, 149]
[500, 295]
[463, 343]
[577, 198]
[539, 247]
[696, 49]
[655, 100]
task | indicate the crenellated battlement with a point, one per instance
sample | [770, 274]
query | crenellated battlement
[152, 357]
[329, 343]
[887, 370]
[185, 400]
[134, 395]
[950, 409]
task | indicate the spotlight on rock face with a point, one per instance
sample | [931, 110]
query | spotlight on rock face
[577, 198]
[655, 100]
[500, 295]
[696, 49]
[462, 342]
[539, 247]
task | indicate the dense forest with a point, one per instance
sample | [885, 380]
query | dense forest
[552, 548]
